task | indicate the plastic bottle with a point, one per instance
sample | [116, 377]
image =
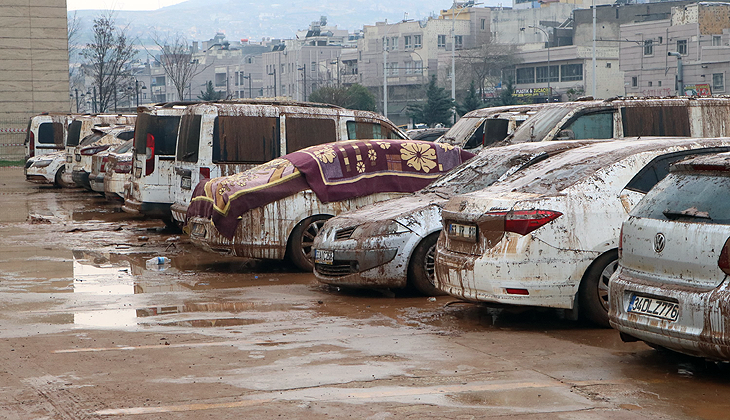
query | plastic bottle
[157, 262]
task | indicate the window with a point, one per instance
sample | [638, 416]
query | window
[162, 128]
[282, 69]
[74, 133]
[308, 131]
[541, 74]
[650, 83]
[366, 130]
[313, 67]
[656, 121]
[409, 67]
[608, 65]
[718, 82]
[393, 69]
[682, 46]
[659, 83]
[648, 47]
[220, 79]
[597, 125]
[634, 81]
[189, 140]
[51, 133]
[458, 41]
[417, 41]
[236, 78]
[394, 43]
[442, 41]
[245, 139]
[408, 42]
[158, 81]
[571, 72]
[526, 75]
[417, 67]
[484, 24]
[716, 40]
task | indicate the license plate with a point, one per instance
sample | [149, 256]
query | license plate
[322, 256]
[653, 307]
[138, 172]
[464, 232]
[198, 229]
[69, 159]
[185, 183]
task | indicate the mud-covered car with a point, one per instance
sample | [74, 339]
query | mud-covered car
[671, 288]
[391, 244]
[117, 174]
[275, 210]
[100, 164]
[548, 236]
[485, 127]
[46, 168]
[101, 140]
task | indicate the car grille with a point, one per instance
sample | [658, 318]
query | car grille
[338, 269]
[344, 233]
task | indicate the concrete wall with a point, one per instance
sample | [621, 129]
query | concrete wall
[34, 51]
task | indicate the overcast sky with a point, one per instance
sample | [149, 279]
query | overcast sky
[119, 4]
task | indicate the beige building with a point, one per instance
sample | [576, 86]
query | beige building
[34, 64]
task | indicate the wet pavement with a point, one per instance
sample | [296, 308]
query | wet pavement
[89, 330]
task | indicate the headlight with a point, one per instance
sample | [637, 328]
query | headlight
[389, 227]
[42, 163]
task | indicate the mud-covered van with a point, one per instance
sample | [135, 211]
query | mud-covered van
[46, 133]
[618, 118]
[155, 139]
[225, 138]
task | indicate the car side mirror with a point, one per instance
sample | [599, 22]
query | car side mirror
[565, 134]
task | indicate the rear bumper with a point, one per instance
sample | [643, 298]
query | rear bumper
[97, 182]
[153, 210]
[81, 178]
[179, 211]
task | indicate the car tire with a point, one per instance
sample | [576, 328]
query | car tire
[593, 291]
[422, 267]
[58, 180]
[299, 248]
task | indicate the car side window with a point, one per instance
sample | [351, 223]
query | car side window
[655, 121]
[50, 133]
[658, 168]
[595, 125]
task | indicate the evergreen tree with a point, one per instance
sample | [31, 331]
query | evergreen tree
[210, 94]
[505, 97]
[471, 102]
[353, 97]
[437, 108]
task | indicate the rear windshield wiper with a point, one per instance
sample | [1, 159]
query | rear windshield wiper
[691, 212]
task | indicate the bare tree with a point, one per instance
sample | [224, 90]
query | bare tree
[109, 56]
[74, 33]
[484, 64]
[176, 59]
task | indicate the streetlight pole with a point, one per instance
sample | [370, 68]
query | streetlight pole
[274, 74]
[547, 37]
[77, 100]
[250, 92]
[303, 68]
[454, 15]
[593, 60]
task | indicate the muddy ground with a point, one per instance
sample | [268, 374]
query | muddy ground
[88, 331]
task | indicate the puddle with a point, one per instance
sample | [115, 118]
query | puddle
[207, 323]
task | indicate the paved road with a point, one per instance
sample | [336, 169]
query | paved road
[88, 331]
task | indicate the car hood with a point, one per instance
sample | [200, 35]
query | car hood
[395, 209]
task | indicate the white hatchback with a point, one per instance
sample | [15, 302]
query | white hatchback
[671, 287]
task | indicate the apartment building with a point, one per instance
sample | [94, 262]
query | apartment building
[686, 53]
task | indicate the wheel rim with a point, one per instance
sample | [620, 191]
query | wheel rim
[429, 264]
[308, 237]
[603, 283]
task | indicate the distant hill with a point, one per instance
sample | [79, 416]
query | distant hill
[238, 19]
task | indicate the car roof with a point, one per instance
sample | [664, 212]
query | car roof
[717, 162]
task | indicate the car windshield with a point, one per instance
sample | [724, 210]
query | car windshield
[124, 147]
[91, 139]
[538, 126]
[462, 130]
[697, 198]
[482, 171]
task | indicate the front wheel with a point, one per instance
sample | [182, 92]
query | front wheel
[59, 182]
[593, 291]
[422, 267]
[301, 240]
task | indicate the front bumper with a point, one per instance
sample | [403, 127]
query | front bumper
[361, 268]
[701, 328]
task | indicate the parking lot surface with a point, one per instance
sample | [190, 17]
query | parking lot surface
[89, 330]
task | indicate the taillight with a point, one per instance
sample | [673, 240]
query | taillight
[204, 172]
[32, 144]
[150, 154]
[724, 261]
[525, 221]
[104, 162]
[92, 150]
[124, 167]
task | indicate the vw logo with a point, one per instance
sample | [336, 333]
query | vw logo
[659, 242]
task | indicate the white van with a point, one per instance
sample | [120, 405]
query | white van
[46, 133]
[155, 139]
[225, 138]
